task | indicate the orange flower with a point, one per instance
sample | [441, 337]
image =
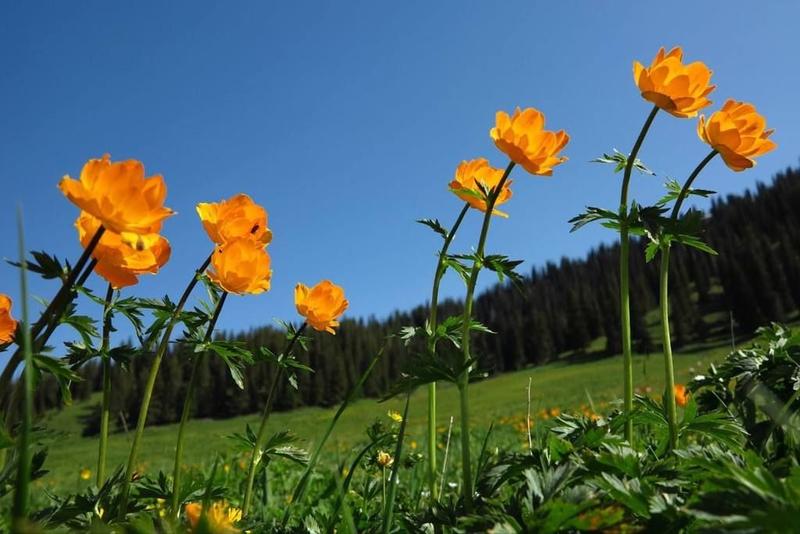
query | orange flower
[7, 323]
[241, 266]
[321, 305]
[219, 519]
[681, 395]
[678, 89]
[118, 260]
[236, 217]
[119, 195]
[465, 184]
[523, 138]
[738, 133]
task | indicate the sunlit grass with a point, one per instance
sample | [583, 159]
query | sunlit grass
[554, 385]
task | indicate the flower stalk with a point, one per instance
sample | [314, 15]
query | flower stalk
[19, 512]
[105, 410]
[624, 279]
[669, 373]
[187, 406]
[150, 384]
[463, 379]
[255, 457]
[432, 324]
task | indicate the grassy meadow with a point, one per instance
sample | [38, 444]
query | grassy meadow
[499, 399]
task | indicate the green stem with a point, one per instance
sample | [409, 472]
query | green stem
[393, 483]
[106, 406]
[432, 324]
[463, 380]
[688, 185]
[22, 491]
[255, 457]
[669, 373]
[151, 382]
[624, 279]
[188, 402]
[302, 484]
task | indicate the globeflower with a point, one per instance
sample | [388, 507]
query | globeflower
[522, 138]
[219, 519]
[469, 174]
[678, 89]
[8, 325]
[395, 416]
[121, 262]
[119, 195]
[384, 459]
[321, 305]
[738, 132]
[681, 395]
[241, 266]
[236, 217]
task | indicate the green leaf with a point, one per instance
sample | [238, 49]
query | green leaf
[454, 262]
[651, 250]
[620, 160]
[674, 189]
[45, 265]
[234, 354]
[82, 324]
[434, 225]
[504, 267]
[593, 214]
[60, 370]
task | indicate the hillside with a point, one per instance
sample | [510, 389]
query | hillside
[501, 400]
[563, 311]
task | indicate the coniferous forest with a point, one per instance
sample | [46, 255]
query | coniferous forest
[565, 309]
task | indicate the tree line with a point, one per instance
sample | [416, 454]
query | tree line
[564, 309]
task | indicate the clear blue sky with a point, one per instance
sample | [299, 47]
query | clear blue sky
[347, 120]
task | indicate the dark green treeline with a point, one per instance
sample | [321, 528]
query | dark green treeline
[568, 309]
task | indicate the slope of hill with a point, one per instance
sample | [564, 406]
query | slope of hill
[565, 310]
[501, 400]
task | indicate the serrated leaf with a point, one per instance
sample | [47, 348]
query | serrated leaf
[434, 225]
[593, 214]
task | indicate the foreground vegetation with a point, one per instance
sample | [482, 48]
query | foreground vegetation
[719, 452]
[501, 400]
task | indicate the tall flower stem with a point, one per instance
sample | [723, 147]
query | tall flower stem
[388, 509]
[151, 382]
[255, 457]
[463, 379]
[106, 405]
[302, 485]
[187, 406]
[51, 314]
[432, 324]
[669, 373]
[19, 512]
[624, 279]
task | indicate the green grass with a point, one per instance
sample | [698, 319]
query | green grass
[562, 385]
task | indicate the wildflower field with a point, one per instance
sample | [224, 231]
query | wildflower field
[706, 439]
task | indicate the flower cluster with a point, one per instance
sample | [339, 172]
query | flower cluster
[128, 209]
[219, 518]
[238, 226]
[524, 140]
[737, 131]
